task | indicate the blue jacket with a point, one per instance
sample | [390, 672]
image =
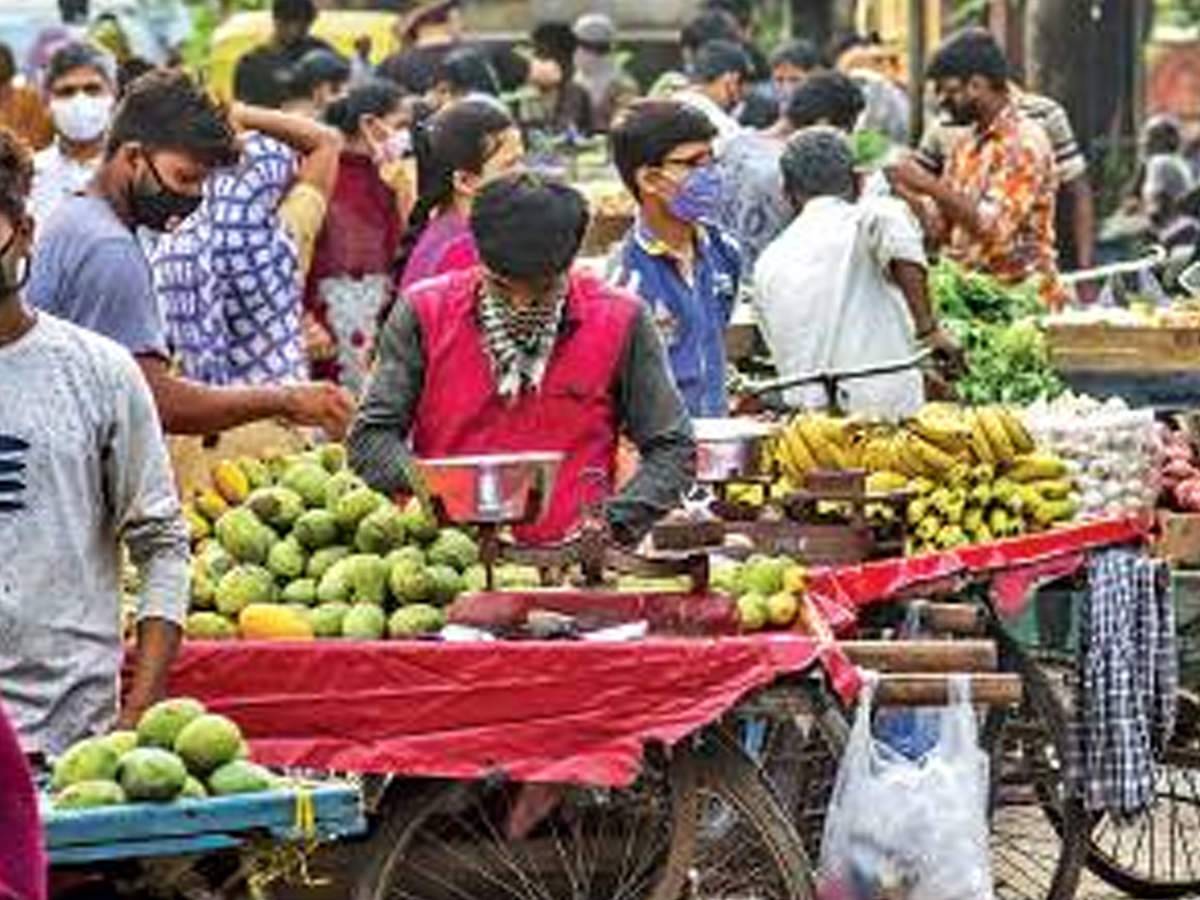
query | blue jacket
[691, 313]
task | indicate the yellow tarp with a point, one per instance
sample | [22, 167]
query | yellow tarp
[244, 31]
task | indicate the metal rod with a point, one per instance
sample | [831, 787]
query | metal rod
[887, 368]
[916, 70]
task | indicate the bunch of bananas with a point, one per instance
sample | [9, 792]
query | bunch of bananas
[938, 439]
[974, 474]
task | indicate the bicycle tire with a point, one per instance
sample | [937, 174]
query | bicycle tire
[406, 854]
[1181, 766]
[773, 865]
[1035, 735]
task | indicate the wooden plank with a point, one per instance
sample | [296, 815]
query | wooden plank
[1106, 348]
[990, 689]
[952, 618]
[174, 846]
[922, 655]
[338, 810]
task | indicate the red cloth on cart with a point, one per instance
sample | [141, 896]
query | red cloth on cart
[537, 711]
[843, 590]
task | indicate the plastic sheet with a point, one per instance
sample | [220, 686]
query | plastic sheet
[535, 711]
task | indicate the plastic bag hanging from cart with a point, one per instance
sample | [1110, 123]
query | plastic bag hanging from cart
[912, 731]
[905, 829]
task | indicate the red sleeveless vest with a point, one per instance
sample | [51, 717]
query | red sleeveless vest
[573, 411]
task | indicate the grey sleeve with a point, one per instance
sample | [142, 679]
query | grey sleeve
[378, 441]
[140, 488]
[111, 292]
[653, 415]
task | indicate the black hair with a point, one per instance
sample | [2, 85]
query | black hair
[717, 58]
[760, 106]
[556, 41]
[847, 40]
[1162, 134]
[130, 71]
[321, 66]
[294, 11]
[817, 162]
[799, 53]
[8, 62]
[710, 25]
[468, 71]
[167, 110]
[829, 97]
[741, 10]
[647, 132]
[970, 52]
[375, 97]
[458, 138]
[527, 225]
[16, 174]
[78, 55]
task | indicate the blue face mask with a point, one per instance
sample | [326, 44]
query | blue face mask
[698, 194]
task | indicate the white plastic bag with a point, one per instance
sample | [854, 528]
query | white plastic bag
[910, 830]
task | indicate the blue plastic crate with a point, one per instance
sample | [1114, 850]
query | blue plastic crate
[144, 830]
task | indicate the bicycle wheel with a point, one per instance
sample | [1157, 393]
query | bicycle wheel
[741, 842]
[1157, 854]
[1039, 832]
[800, 754]
[456, 840]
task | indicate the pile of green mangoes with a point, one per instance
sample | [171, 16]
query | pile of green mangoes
[178, 752]
[767, 588]
[297, 547]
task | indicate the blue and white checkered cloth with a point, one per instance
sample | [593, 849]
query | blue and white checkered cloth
[1128, 677]
[229, 277]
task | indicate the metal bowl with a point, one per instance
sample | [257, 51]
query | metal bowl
[728, 449]
[496, 489]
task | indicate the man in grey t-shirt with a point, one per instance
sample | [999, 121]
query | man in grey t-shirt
[83, 468]
[165, 139]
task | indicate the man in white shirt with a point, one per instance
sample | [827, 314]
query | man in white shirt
[81, 82]
[844, 286]
[719, 74]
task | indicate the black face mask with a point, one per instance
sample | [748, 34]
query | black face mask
[156, 206]
[14, 270]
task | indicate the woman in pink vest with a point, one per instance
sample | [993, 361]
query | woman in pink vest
[457, 149]
[521, 353]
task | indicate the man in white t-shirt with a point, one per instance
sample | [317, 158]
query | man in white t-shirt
[720, 73]
[83, 469]
[844, 286]
[81, 82]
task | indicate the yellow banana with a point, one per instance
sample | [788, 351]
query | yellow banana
[799, 451]
[827, 453]
[980, 447]
[996, 435]
[1018, 434]
[942, 425]
[936, 462]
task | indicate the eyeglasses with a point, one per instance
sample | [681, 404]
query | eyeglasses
[690, 162]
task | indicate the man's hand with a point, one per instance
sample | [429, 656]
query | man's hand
[318, 342]
[909, 176]
[948, 354]
[320, 403]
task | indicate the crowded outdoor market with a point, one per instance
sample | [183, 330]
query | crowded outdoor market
[598, 450]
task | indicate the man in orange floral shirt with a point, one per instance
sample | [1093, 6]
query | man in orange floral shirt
[998, 191]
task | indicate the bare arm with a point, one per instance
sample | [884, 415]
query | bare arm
[1083, 222]
[913, 283]
[157, 645]
[320, 145]
[187, 407]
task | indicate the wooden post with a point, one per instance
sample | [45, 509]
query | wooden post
[916, 70]
[922, 655]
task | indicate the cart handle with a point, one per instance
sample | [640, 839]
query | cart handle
[832, 378]
[1155, 257]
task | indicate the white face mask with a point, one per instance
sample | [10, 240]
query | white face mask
[81, 118]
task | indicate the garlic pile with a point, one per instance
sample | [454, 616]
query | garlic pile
[1112, 451]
